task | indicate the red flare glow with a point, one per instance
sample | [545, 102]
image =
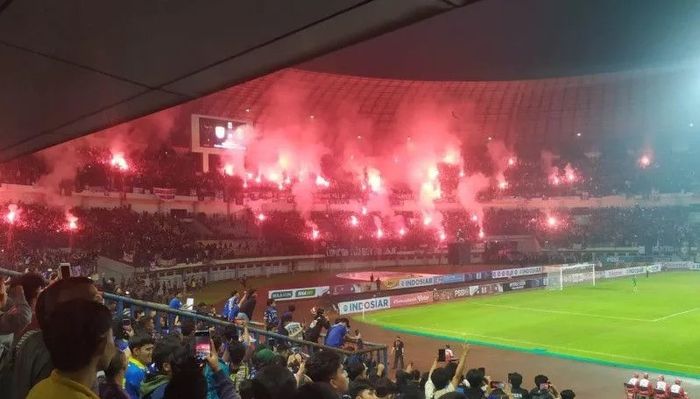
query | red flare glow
[72, 221]
[443, 236]
[552, 221]
[481, 233]
[119, 162]
[402, 232]
[502, 185]
[315, 234]
[228, 170]
[380, 233]
[364, 210]
[427, 220]
[475, 218]
[353, 221]
[261, 217]
[511, 161]
[321, 182]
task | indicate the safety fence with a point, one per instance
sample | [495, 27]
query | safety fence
[161, 312]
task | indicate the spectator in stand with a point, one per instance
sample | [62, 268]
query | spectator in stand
[567, 394]
[248, 306]
[164, 354]
[111, 388]
[477, 384]
[325, 368]
[385, 388]
[439, 382]
[88, 325]
[175, 303]
[19, 315]
[290, 312]
[32, 362]
[274, 382]
[358, 371]
[290, 328]
[141, 347]
[146, 326]
[209, 372]
[361, 390]
[313, 332]
[544, 389]
[232, 301]
[270, 316]
[336, 334]
[516, 389]
[188, 379]
[238, 367]
[397, 349]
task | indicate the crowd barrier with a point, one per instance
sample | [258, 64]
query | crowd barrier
[370, 349]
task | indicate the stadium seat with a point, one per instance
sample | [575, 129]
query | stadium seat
[630, 391]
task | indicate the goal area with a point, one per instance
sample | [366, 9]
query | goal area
[560, 276]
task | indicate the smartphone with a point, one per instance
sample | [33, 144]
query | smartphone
[126, 322]
[441, 355]
[202, 345]
[64, 270]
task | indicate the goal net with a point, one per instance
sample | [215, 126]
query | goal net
[561, 276]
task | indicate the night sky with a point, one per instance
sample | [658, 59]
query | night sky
[518, 39]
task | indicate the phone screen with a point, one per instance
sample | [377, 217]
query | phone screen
[441, 355]
[202, 344]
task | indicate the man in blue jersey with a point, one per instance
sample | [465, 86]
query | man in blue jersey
[336, 335]
[141, 347]
[175, 303]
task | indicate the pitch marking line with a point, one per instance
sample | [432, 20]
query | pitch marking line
[675, 314]
[563, 348]
[565, 312]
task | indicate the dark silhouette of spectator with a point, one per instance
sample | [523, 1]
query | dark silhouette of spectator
[79, 339]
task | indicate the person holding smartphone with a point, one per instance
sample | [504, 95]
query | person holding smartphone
[544, 389]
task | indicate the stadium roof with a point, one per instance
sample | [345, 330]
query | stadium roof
[526, 39]
[646, 102]
[70, 68]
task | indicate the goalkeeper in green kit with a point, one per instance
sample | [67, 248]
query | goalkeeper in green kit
[634, 283]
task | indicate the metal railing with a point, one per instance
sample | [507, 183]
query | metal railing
[370, 350]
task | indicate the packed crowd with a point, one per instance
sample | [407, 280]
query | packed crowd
[40, 239]
[122, 355]
[614, 169]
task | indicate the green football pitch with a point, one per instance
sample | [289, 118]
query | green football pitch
[656, 328]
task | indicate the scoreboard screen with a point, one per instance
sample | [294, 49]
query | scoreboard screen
[221, 133]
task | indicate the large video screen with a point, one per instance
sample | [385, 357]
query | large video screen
[220, 133]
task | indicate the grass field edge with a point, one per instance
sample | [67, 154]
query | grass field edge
[546, 353]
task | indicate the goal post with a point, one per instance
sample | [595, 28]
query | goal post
[560, 276]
